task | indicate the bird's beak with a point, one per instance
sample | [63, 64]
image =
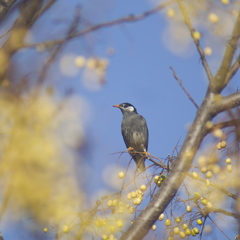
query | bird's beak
[116, 106]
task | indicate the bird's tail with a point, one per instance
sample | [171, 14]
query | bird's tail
[141, 165]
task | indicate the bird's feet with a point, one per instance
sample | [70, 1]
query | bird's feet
[147, 154]
[130, 149]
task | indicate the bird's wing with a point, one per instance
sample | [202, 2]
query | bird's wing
[135, 132]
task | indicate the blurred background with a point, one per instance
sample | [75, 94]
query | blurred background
[76, 88]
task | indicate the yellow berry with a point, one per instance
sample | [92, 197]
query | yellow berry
[213, 18]
[156, 178]
[218, 133]
[225, 2]
[188, 208]
[223, 143]
[65, 229]
[204, 201]
[228, 161]
[92, 63]
[178, 219]
[129, 196]
[202, 160]
[104, 237]
[176, 230]
[139, 193]
[204, 169]
[137, 201]
[195, 175]
[45, 229]
[161, 217]
[195, 230]
[184, 226]
[196, 35]
[199, 221]
[119, 223]
[170, 238]
[143, 187]
[133, 194]
[208, 124]
[188, 232]
[182, 234]
[170, 13]
[80, 61]
[154, 227]
[114, 202]
[121, 175]
[218, 146]
[109, 203]
[209, 174]
[208, 52]
[168, 222]
[112, 228]
[197, 195]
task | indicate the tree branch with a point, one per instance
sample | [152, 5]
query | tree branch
[199, 48]
[18, 33]
[221, 125]
[225, 73]
[227, 213]
[226, 103]
[129, 19]
[183, 88]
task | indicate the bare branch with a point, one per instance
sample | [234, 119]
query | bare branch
[45, 8]
[226, 103]
[221, 125]
[199, 48]
[223, 76]
[227, 213]
[59, 47]
[183, 88]
[129, 19]
[18, 33]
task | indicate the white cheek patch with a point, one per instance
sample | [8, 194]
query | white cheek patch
[130, 108]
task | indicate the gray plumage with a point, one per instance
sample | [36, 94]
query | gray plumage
[135, 133]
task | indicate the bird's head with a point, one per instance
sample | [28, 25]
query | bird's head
[126, 107]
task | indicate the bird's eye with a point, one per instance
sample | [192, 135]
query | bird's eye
[130, 109]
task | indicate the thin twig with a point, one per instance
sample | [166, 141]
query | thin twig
[227, 213]
[129, 19]
[221, 125]
[196, 41]
[58, 48]
[183, 88]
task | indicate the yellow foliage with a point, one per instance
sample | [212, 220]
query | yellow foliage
[36, 165]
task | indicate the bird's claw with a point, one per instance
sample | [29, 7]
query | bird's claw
[130, 149]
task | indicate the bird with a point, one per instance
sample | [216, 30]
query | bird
[135, 134]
